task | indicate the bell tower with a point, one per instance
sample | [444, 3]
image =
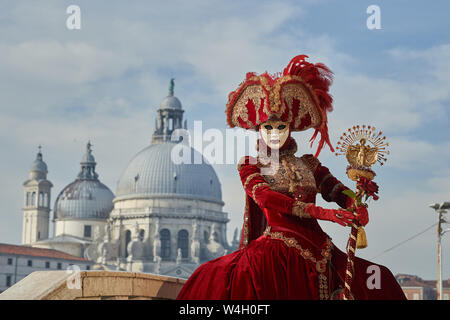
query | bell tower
[36, 209]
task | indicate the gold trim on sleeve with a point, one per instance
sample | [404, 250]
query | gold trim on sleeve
[256, 186]
[250, 177]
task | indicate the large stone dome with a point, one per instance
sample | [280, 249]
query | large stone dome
[152, 173]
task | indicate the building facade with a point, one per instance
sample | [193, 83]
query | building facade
[166, 216]
[80, 208]
[16, 262]
[415, 288]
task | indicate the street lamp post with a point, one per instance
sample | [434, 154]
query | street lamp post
[441, 209]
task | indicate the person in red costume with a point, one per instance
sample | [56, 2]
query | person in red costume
[283, 252]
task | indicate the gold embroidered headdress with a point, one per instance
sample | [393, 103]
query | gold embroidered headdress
[299, 96]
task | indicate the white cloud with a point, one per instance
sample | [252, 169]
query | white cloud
[56, 62]
[410, 154]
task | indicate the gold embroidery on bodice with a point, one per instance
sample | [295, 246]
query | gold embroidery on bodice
[293, 178]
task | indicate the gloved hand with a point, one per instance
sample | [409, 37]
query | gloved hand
[343, 217]
[362, 215]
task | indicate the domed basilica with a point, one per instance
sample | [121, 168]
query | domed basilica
[165, 218]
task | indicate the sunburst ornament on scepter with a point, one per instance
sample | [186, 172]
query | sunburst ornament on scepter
[360, 155]
[363, 146]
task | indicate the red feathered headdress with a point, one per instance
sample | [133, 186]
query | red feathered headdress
[298, 96]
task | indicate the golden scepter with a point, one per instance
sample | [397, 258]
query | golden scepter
[363, 147]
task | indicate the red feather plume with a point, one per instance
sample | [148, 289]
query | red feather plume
[319, 77]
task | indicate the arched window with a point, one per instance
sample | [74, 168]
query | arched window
[28, 198]
[141, 235]
[205, 236]
[183, 243]
[33, 198]
[46, 200]
[41, 199]
[164, 235]
[127, 241]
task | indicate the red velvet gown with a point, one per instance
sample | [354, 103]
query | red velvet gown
[282, 256]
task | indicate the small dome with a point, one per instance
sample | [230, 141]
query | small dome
[170, 102]
[38, 169]
[39, 165]
[152, 173]
[84, 199]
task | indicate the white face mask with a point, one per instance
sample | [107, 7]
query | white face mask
[274, 133]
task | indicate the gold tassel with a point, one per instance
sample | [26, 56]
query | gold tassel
[361, 239]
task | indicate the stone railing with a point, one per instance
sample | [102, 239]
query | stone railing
[93, 285]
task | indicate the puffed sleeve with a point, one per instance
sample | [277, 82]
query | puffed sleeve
[330, 187]
[259, 190]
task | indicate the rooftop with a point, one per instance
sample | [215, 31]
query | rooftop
[13, 249]
[408, 280]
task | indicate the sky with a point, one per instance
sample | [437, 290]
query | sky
[60, 88]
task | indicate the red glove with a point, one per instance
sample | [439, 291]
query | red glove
[361, 212]
[343, 217]
[362, 215]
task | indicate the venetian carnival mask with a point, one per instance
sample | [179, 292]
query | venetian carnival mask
[274, 133]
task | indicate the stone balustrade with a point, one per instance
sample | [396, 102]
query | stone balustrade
[93, 285]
